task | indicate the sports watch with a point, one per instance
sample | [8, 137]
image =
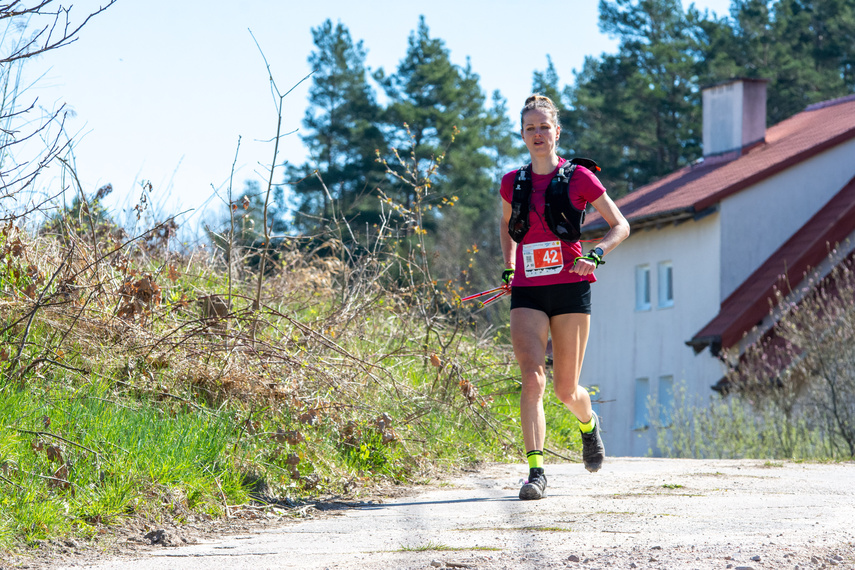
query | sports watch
[596, 255]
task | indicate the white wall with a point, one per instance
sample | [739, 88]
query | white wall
[626, 344]
[758, 220]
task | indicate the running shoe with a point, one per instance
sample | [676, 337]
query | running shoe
[593, 451]
[535, 487]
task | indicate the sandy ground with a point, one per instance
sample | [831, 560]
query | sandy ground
[634, 513]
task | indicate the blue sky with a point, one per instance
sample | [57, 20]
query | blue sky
[162, 90]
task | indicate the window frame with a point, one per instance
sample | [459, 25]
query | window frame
[641, 411]
[665, 401]
[643, 300]
[665, 281]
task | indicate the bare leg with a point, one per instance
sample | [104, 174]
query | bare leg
[529, 333]
[569, 339]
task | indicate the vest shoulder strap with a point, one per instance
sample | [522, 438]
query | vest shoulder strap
[518, 225]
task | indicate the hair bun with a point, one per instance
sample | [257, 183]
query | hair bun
[542, 102]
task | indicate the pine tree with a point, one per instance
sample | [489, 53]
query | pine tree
[637, 112]
[342, 135]
[546, 83]
[437, 108]
[806, 49]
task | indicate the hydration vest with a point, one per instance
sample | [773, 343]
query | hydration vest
[562, 218]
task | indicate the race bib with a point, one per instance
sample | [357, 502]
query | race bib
[542, 258]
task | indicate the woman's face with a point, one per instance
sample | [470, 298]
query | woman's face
[539, 133]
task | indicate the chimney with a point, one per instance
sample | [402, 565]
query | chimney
[734, 115]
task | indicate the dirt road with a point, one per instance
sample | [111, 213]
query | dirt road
[635, 513]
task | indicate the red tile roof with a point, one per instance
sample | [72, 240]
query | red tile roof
[787, 267]
[692, 189]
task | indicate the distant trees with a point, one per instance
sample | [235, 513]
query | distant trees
[432, 103]
[436, 114]
[637, 111]
[805, 48]
[342, 134]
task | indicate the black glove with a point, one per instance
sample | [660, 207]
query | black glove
[507, 276]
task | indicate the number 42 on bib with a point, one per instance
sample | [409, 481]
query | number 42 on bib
[542, 258]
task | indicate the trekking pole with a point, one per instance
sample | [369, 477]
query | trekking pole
[496, 293]
[494, 297]
[482, 293]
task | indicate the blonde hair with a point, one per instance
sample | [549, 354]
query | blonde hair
[543, 103]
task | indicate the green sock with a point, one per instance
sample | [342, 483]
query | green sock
[535, 459]
[587, 427]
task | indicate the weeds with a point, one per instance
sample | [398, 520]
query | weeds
[429, 546]
[734, 428]
[791, 395]
[142, 383]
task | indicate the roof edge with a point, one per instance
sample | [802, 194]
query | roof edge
[774, 169]
[675, 216]
[814, 261]
[830, 102]
[734, 80]
[699, 343]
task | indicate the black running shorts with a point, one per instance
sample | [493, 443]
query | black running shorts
[554, 300]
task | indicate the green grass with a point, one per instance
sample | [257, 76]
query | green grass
[79, 461]
[431, 546]
[539, 529]
[563, 436]
[126, 408]
[536, 528]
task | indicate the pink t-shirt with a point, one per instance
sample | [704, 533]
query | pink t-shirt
[542, 258]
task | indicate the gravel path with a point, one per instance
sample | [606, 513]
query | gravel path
[634, 513]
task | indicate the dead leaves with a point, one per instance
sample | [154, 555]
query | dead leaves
[138, 297]
[384, 426]
[467, 388]
[54, 454]
[15, 267]
[469, 391]
[310, 418]
[173, 274]
[291, 437]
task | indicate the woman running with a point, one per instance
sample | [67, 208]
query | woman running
[543, 207]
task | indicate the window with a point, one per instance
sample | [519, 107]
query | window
[642, 288]
[642, 393]
[665, 399]
[666, 285]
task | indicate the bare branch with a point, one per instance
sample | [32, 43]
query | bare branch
[46, 39]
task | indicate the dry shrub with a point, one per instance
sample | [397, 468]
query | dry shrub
[804, 367]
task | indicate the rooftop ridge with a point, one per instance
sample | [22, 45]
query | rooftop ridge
[830, 102]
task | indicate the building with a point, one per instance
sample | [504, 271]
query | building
[692, 285]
